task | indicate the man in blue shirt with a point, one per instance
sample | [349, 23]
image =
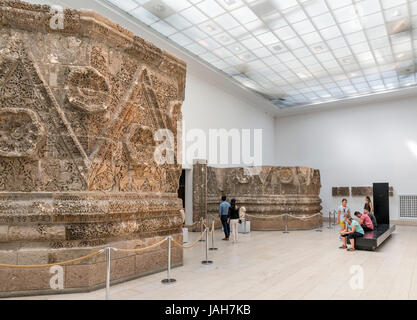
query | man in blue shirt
[223, 211]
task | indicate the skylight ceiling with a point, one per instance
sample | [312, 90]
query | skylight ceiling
[294, 52]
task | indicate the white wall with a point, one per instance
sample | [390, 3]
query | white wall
[208, 106]
[355, 146]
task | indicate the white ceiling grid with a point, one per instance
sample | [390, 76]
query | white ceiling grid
[294, 52]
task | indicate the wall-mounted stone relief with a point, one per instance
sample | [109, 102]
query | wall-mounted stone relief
[340, 191]
[356, 191]
[367, 191]
[262, 191]
[79, 107]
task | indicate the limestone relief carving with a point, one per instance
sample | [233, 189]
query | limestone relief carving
[20, 132]
[88, 90]
[141, 144]
[286, 176]
[79, 108]
[264, 191]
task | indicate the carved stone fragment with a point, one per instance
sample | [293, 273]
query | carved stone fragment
[262, 191]
[79, 107]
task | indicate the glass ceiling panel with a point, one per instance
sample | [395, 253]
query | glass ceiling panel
[294, 52]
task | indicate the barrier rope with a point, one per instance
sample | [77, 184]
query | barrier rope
[278, 216]
[51, 264]
[212, 228]
[143, 249]
[306, 218]
[265, 217]
[93, 254]
[193, 224]
[193, 244]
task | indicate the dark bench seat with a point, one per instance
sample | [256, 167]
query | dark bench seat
[373, 239]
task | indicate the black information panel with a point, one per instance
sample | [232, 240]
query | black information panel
[381, 203]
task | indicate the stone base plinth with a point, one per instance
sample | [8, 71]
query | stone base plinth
[85, 275]
[279, 224]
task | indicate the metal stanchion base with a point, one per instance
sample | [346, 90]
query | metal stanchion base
[168, 281]
[206, 262]
[285, 232]
[319, 230]
[212, 248]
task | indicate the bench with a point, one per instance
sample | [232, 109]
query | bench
[373, 239]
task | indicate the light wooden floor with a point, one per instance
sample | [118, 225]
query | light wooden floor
[273, 265]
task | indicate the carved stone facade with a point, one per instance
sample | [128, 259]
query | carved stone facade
[79, 107]
[340, 191]
[367, 191]
[267, 191]
[199, 193]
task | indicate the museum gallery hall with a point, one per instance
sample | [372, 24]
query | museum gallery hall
[208, 150]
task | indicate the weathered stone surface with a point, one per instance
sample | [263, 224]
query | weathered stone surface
[79, 107]
[199, 192]
[4, 230]
[340, 191]
[362, 191]
[37, 232]
[267, 191]
[368, 191]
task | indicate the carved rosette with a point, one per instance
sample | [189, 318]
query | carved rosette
[20, 132]
[141, 144]
[88, 90]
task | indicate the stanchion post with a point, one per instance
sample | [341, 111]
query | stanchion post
[330, 221]
[334, 217]
[202, 228]
[318, 223]
[207, 261]
[286, 223]
[169, 280]
[108, 257]
[212, 238]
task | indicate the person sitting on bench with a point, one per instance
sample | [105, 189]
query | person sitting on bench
[365, 221]
[372, 217]
[354, 230]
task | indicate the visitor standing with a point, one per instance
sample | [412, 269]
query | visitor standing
[233, 218]
[341, 213]
[368, 205]
[223, 213]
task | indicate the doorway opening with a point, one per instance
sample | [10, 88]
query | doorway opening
[181, 188]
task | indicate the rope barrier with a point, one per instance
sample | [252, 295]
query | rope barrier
[278, 216]
[212, 228]
[265, 217]
[192, 245]
[51, 264]
[143, 249]
[93, 254]
[305, 218]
